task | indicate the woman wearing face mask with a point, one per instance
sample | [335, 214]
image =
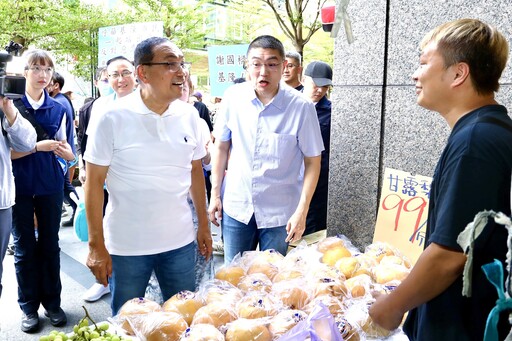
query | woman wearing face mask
[39, 180]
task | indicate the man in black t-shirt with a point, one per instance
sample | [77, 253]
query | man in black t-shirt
[461, 63]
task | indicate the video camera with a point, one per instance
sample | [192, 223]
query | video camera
[12, 87]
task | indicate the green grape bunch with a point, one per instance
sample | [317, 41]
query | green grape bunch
[83, 331]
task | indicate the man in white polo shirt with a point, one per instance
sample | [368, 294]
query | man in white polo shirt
[121, 79]
[150, 146]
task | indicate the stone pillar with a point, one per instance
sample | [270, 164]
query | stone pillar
[376, 123]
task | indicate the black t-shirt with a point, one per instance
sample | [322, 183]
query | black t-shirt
[204, 113]
[473, 174]
[84, 114]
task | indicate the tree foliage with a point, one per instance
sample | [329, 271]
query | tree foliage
[243, 25]
[66, 28]
[183, 23]
[298, 19]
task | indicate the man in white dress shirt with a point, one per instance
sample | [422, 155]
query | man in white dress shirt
[269, 130]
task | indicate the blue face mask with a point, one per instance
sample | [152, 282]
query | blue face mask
[105, 88]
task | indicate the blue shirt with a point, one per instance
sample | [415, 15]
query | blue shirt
[70, 119]
[268, 146]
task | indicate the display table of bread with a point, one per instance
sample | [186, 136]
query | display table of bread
[263, 295]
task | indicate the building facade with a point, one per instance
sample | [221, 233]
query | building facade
[376, 123]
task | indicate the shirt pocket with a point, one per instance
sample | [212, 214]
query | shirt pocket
[279, 149]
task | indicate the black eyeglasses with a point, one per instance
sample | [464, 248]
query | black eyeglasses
[171, 66]
[273, 66]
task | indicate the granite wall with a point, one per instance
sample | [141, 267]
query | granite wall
[376, 123]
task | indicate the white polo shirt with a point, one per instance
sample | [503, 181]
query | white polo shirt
[99, 107]
[150, 160]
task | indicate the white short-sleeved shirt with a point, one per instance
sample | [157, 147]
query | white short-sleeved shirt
[150, 160]
[268, 146]
[99, 107]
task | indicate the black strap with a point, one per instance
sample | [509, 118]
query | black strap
[41, 133]
[495, 121]
[4, 133]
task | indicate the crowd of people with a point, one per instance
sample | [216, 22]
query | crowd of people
[260, 173]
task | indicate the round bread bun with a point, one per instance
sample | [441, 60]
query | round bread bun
[293, 297]
[348, 331]
[385, 273]
[257, 305]
[269, 256]
[321, 271]
[358, 291]
[359, 286]
[267, 268]
[255, 282]
[365, 265]
[221, 291]
[330, 243]
[247, 330]
[332, 303]
[202, 332]
[163, 326]
[231, 274]
[215, 314]
[362, 271]
[331, 256]
[330, 286]
[134, 307]
[287, 275]
[387, 260]
[185, 303]
[249, 258]
[294, 260]
[379, 250]
[348, 266]
[285, 320]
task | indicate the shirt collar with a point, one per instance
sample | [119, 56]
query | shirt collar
[278, 100]
[33, 103]
[137, 105]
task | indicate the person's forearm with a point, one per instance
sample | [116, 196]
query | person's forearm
[311, 174]
[22, 135]
[198, 193]
[93, 190]
[219, 164]
[11, 115]
[436, 269]
[18, 155]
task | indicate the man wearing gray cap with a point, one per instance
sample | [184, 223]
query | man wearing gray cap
[317, 80]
